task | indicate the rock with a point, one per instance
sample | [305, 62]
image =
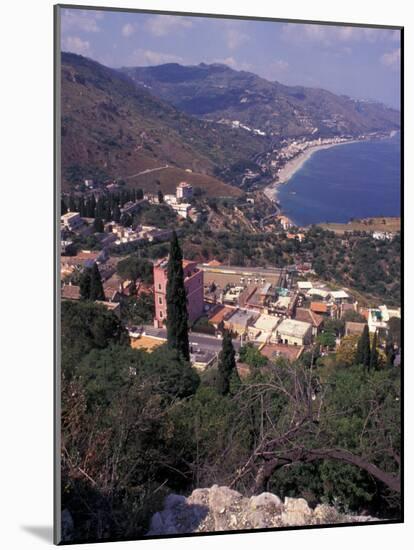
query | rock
[266, 500]
[223, 509]
[296, 512]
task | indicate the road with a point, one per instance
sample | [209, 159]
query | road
[147, 171]
[198, 341]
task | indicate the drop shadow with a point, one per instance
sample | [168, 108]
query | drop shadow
[42, 532]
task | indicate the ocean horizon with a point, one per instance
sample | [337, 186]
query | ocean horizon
[355, 180]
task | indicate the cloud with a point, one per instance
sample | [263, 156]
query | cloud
[230, 61]
[75, 44]
[392, 59]
[328, 35]
[149, 57]
[128, 30]
[161, 25]
[81, 20]
[235, 38]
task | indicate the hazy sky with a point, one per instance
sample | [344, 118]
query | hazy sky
[359, 62]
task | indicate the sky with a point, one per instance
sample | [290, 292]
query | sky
[361, 62]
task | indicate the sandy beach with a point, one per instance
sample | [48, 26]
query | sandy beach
[293, 165]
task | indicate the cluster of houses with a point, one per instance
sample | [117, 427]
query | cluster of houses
[178, 201]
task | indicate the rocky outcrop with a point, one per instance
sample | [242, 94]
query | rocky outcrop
[222, 509]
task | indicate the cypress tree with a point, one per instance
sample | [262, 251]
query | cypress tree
[63, 207]
[96, 288]
[72, 203]
[116, 214]
[160, 196]
[389, 350]
[177, 316]
[227, 364]
[363, 353]
[85, 284]
[98, 225]
[374, 359]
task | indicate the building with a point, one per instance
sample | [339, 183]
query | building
[71, 221]
[308, 316]
[294, 333]
[194, 286]
[353, 328]
[274, 351]
[240, 320]
[340, 296]
[262, 329]
[115, 308]
[182, 209]
[184, 191]
[284, 222]
[222, 275]
[70, 292]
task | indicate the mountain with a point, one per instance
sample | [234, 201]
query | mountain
[113, 128]
[217, 92]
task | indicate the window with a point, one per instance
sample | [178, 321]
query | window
[159, 286]
[161, 315]
[160, 300]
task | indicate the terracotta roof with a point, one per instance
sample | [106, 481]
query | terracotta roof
[303, 314]
[214, 263]
[219, 315]
[273, 351]
[319, 307]
[70, 292]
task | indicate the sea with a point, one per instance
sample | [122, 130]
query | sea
[354, 180]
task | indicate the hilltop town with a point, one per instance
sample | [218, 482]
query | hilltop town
[279, 311]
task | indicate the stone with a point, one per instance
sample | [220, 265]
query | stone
[266, 500]
[296, 512]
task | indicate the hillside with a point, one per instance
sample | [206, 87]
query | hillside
[112, 128]
[218, 92]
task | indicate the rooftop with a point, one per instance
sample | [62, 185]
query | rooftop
[308, 316]
[293, 328]
[266, 322]
[319, 307]
[273, 351]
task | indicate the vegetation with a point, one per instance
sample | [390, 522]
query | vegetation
[177, 317]
[227, 365]
[91, 284]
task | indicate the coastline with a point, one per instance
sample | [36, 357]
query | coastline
[295, 164]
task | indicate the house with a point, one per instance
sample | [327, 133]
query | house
[240, 320]
[201, 360]
[309, 316]
[261, 330]
[352, 328]
[344, 308]
[376, 320]
[115, 287]
[184, 191]
[71, 221]
[339, 296]
[322, 293]
[304, 286]
[70, 292]
[294, 333]
[284, 222]
[181, 209]
[194, 287]
[320, 307]
[274, 351]
[220, 314]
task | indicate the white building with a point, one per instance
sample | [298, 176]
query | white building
[71, 220]
[294, 333]
[184, 191]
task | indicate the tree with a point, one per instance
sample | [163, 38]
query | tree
[374, 359]
[394, 327]
[63, 207]
[389, 351]
[346, 352]
[227, 364]
[116, 213]
[250, 355]
[96, 288]
[85, 284]
[160, 196]
[134, 268]
[363, 353]
[98, 225]
[177, 316]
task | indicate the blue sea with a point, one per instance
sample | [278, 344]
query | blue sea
[355, 180]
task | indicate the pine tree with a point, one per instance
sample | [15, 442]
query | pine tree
[363, 353]
[72, 204]
[177, 316]
[227, 364]
[98, 225]
[374, 359]
[96, 289]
